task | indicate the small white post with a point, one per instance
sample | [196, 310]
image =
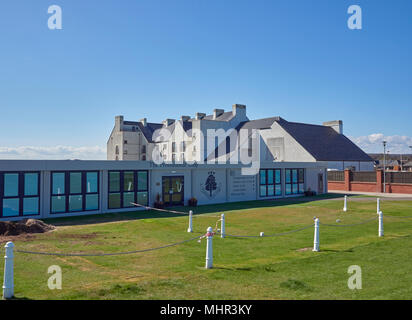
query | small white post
[316, 238]
[209, 248]
[8, 282]
[380, 224]
[345, 204]
[262, 234]
[222, 226]
[378, 205]
[190, 229]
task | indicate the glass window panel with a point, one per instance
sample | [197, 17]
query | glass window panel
[58, 183]
[114, 200]
[91, 182]
[270, 176]
[76, 203]
[295, 188]
[11, 184]
[114, 181]
[128, 181]
[75, 182]
[31, 184]
[301, 175]
[271, 190]
[30, 206]
[11, 207]
[263, 191]
[301, 188]
[59, 204]
[278, 190]
[142, 198]
[127, 198]
[277, 176]
[288, 189]
[295, 175]
[142, 180]
[262, 176]
[287, 172]
[92, 202]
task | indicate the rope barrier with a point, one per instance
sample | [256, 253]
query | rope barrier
[270, 235]
[172, 211]
[158, 209]
[106, 254]
[348, 225]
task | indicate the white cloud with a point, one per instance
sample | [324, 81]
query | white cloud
[53, 153]
[373, 143]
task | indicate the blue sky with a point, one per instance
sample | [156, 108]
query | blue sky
[60, 89]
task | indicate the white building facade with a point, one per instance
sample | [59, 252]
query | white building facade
[60, 188]
[218, 138]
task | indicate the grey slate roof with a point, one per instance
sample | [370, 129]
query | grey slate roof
[225, 116]
[324, 143]
[148, 130]
[152, 127]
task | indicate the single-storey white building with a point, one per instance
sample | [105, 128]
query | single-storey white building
[59, 188]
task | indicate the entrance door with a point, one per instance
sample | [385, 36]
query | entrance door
[173, 191]
[320, 183]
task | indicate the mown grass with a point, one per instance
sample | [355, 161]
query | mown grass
[244, 268]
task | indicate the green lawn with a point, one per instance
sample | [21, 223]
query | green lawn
[281, 267]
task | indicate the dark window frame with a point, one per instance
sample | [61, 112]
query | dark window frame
[301, 180]
[20, 192]
[274, 184]
[67, 192]
[121, 191]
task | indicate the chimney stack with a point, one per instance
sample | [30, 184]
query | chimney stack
[200, 116]
[144, 122]
[336, 125]
[168, 122]
[184, 118]
[239, 110]
[217, 113]
[118, 122]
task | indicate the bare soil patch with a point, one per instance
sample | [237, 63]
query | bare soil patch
[23, 227]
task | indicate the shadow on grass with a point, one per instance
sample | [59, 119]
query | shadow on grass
[19, 298]
[204, 209]
[336, 250]
[232, 269]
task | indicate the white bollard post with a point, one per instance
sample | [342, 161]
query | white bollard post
[378, 205]
[190, 229]
[380, 224]
[209, 248]
[8, 282]
[262, 234]
[316, 238]
[222, 226]
[345, 204]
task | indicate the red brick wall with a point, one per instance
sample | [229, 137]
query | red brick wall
[399, 188]
[348, 185]
[336, 185]
[363, 186]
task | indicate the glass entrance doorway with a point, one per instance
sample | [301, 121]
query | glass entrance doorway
[173, 191]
